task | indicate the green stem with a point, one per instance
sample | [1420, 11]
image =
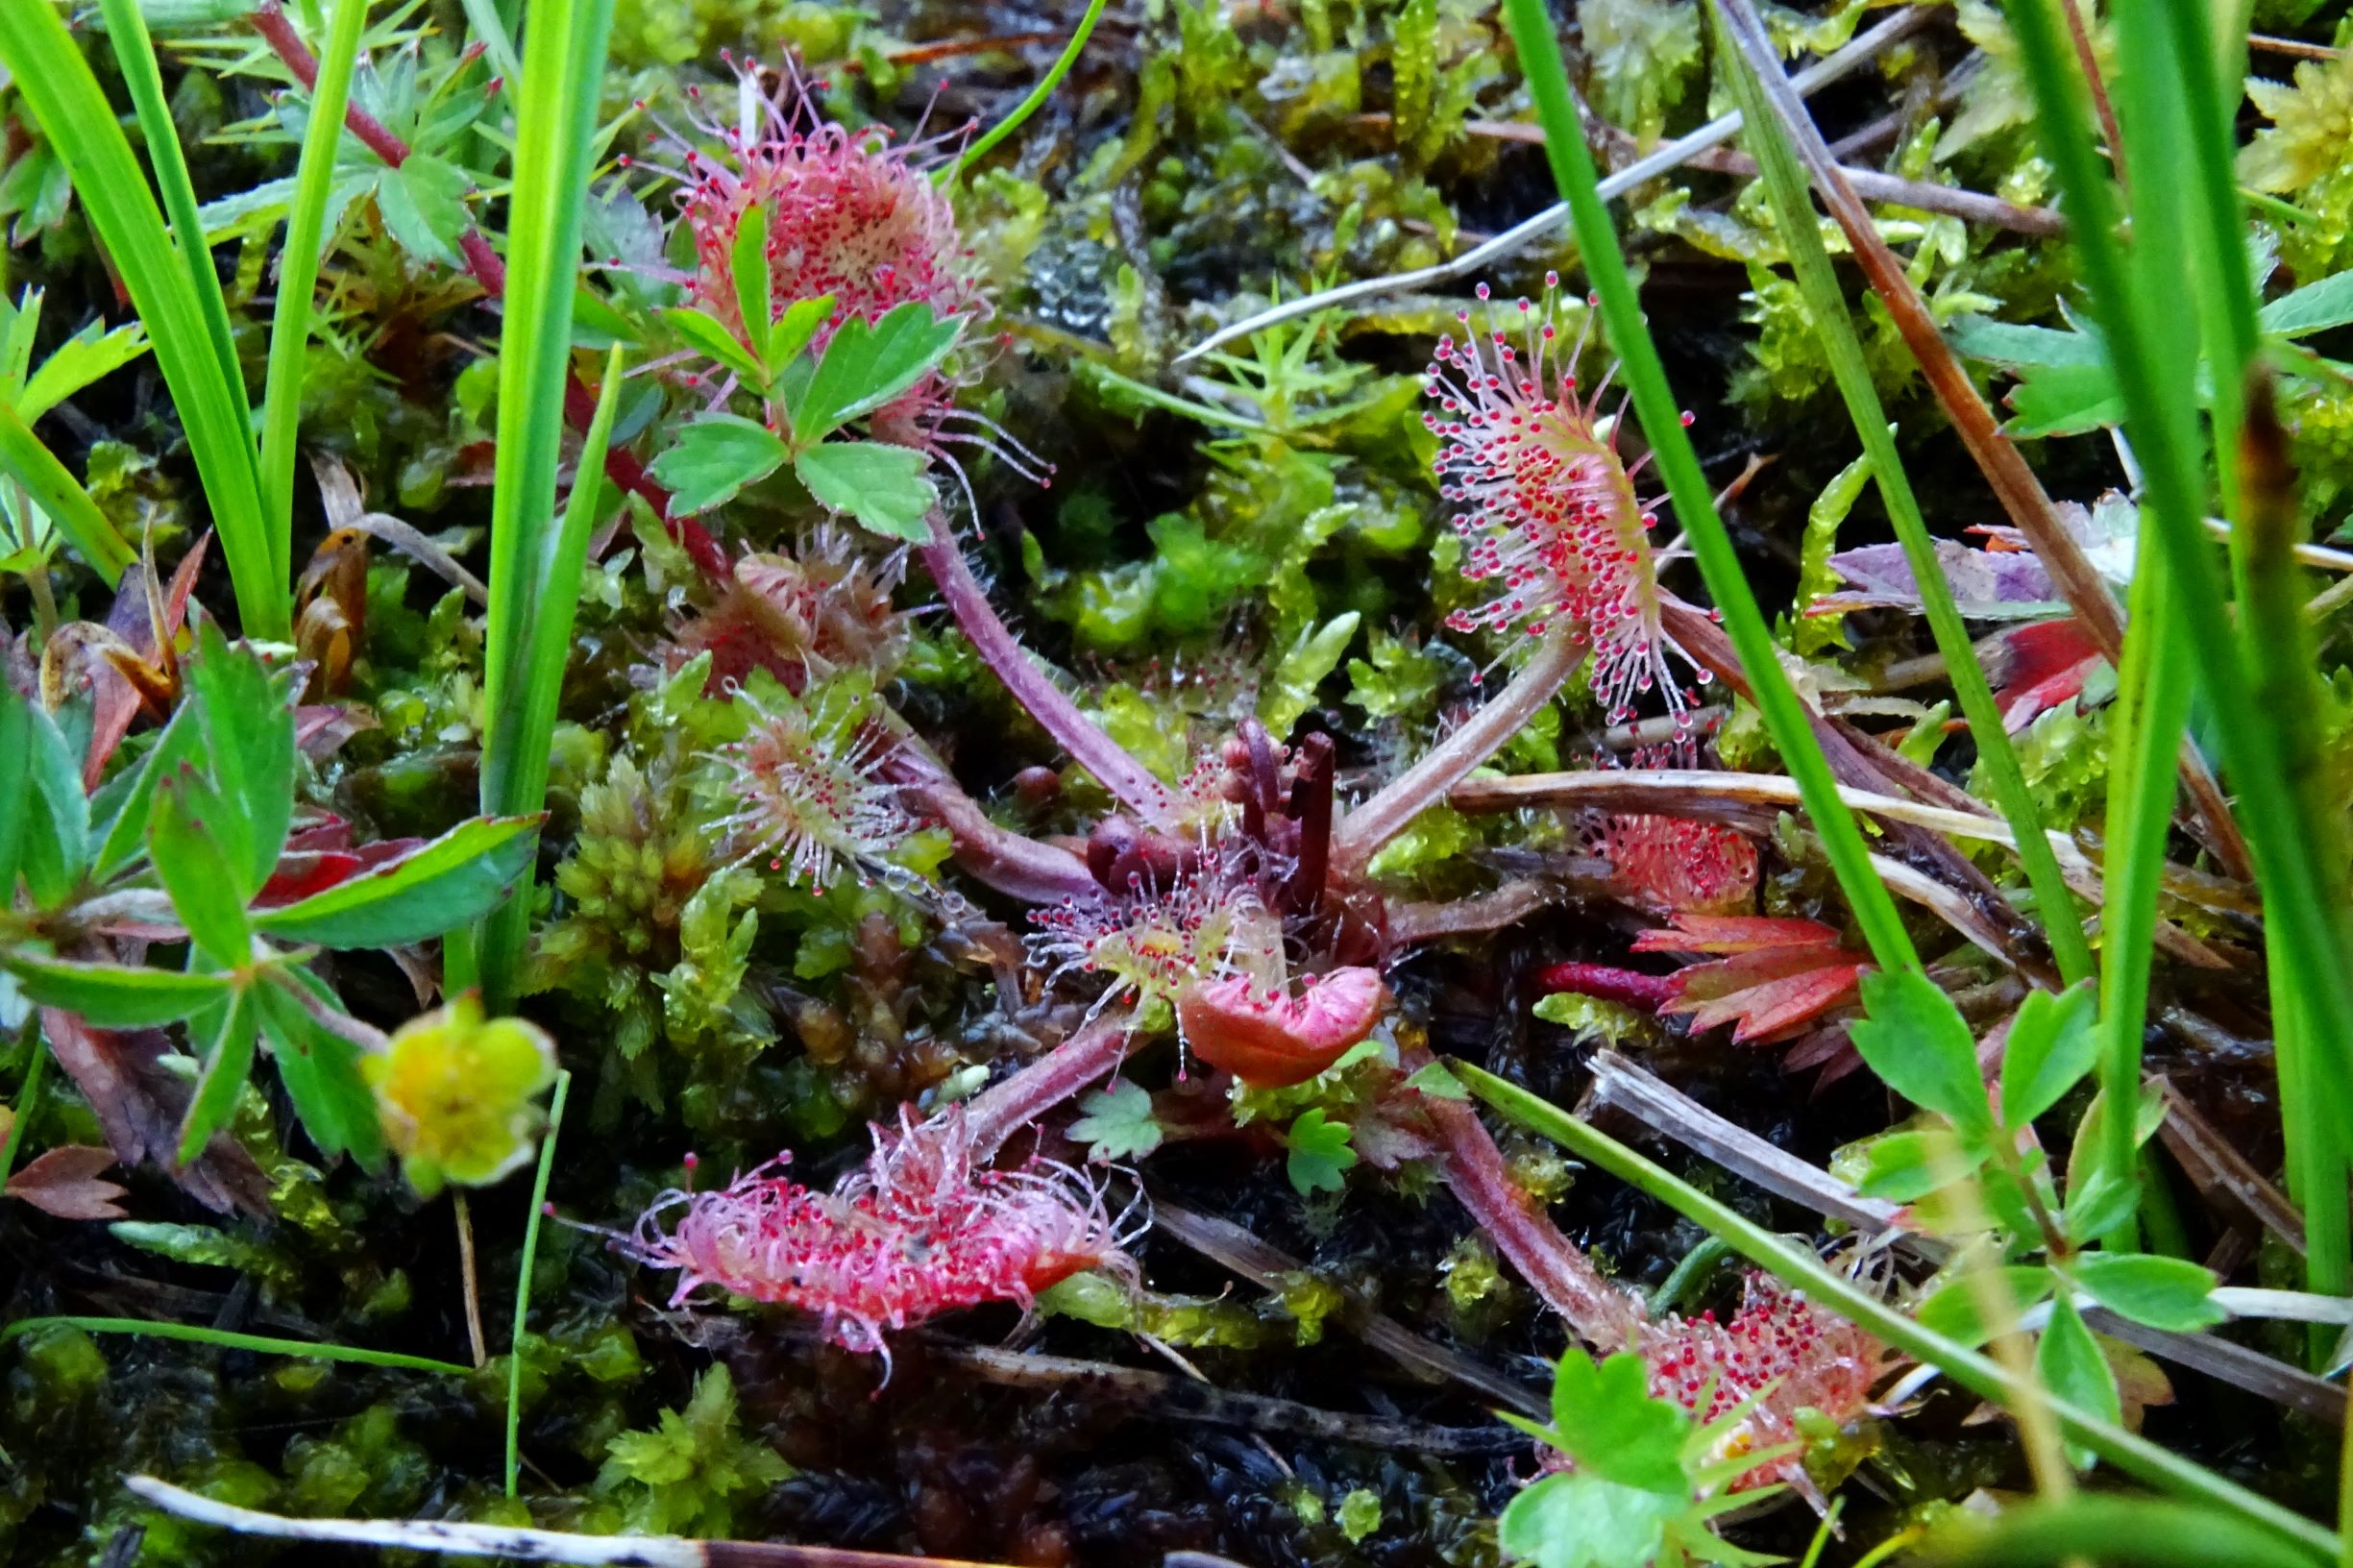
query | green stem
[298, 272]
[1038, 95]
[1809, 259]
[28, 1095]
[2128, 1452]
[1646, 378]
[523, 1277]
[196, 1334]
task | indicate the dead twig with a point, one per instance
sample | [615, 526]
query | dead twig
[1264, 1263]
[1168, 1396]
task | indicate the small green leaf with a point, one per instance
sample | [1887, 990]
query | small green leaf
[1920, 1047]
[247, 715]
[226, 1067]
[865, 367]
[115, 995]
[794, 329]
[16, 810]
[125, 802]
[2071, 1365]
[1582, 1521]
[424, 207]
[2053, 1045]
[195, 870]
[2100, 1202]
[454, 879]
[2315, 308]
[715, 458]
[748, 262]
[708, 334]
[1904, 1167]
[2162, 1292]
[55, 849]
[320, 1069]
[2026, 348]
[882, 486]
[1609, 1424]
[1434, 1080]
[1319, 1153]
[1116, 1123]
[2067, 399]
[1952, 1309]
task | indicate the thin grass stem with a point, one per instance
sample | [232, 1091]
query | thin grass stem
[1038, 95]
[62, 498]
[523, 1277]
[223, 1339]
[298, 271]
[1784, 713]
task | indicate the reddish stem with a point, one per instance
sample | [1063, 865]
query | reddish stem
[1601, 1314]
[998, 1112]
[489, 270]
[1129, 781]
[1364, 830]
[1631, 987]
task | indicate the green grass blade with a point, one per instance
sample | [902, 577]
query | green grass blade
[298, 272]
[198, 1333]
[521, 730]
[2128, 1452]
[2145, 739]
[58, 88]
[555, 135]
[1825, 305]
[1646, 378]
[135, 55]
[1038, 95]
[523, 1277]
[2265, 685]
[2090, 1528]
[25, 459]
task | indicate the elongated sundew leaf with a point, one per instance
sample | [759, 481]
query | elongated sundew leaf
[1826, 304]
[556, 123]
[515, 750]
[298, 273]
[50, 482]
[2265, 685]
[58, 87]
[2129, 1453]
[1645, 379]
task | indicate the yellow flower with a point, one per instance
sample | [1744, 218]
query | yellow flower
[456, 1095]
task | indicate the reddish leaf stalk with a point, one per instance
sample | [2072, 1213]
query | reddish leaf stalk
[489, 270]
[1128, 780]
[1601, 1314]
[1364, 830]
[998, 1112]
[1629, 988]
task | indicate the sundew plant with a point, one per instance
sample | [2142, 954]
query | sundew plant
[1425, 784]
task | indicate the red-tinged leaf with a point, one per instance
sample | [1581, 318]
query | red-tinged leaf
[303, 873]
[1695, 933]
[139, 1102]
[64, 1183]
[1776, 1006]
[1628, 987]
[328, 832]
[1741, 971]
[2045, 663]
[114, 701]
